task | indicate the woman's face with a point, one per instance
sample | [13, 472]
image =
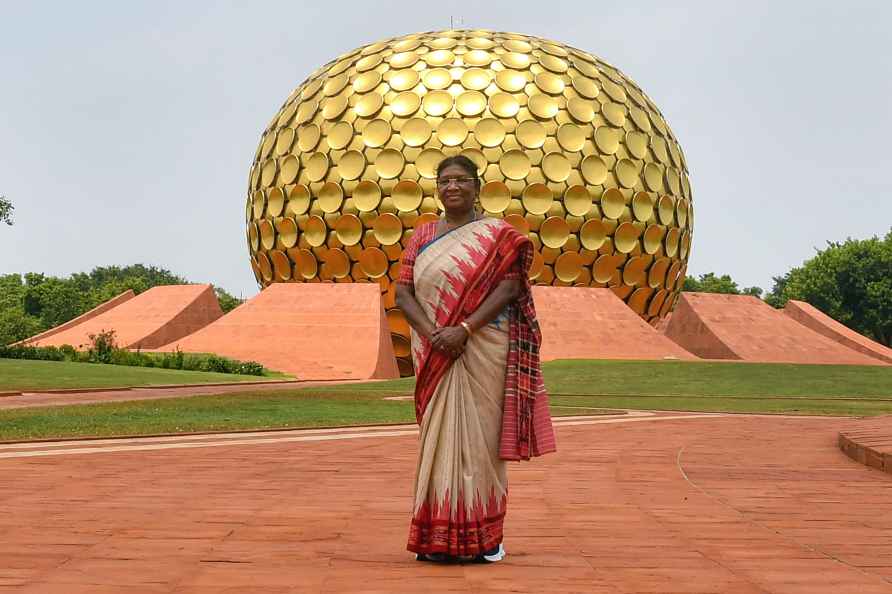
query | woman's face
[457, 189]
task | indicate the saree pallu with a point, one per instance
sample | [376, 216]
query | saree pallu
[485, 407]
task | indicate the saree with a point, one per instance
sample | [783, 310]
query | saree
[484, 408]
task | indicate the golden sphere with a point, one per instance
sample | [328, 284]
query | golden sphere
[569, 149]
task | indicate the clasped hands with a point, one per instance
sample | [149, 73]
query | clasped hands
[451, 340]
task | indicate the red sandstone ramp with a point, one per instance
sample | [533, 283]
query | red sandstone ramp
[813, 318]
[744, 327]
[147, 321]
[592, 323]
[99, 309]
[311, 330]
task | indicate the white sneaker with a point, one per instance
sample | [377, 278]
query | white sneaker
[493, 556]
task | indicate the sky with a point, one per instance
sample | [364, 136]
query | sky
[128, 128]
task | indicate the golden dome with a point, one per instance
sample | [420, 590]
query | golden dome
[570, 151]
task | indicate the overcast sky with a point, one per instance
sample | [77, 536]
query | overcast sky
[128, 128]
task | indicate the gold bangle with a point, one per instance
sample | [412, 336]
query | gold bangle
[467, 328]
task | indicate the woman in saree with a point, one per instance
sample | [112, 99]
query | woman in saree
[479, 396]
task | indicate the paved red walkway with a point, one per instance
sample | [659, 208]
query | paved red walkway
[666, 504]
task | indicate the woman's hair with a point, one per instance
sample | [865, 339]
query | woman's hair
[461, 161]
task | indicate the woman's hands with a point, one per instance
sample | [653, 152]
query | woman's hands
[451, 340]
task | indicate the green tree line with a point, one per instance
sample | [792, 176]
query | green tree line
[33, 302]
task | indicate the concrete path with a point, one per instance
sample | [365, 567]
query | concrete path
[667, 503]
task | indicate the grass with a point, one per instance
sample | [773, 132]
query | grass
[577, 387]
[23, 375]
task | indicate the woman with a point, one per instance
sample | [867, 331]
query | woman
[479, 396]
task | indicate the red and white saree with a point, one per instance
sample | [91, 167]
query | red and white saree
[485, 407]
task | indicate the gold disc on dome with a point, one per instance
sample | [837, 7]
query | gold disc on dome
[477, 58]
[653, 238]
[334, 85]
[405, 104]
[333, 107]
[396, 321]
[351, 165]
[613, 203]
[471, 103]
[308, 109]
[406, 45]
[376, 133]
[426, 162]
[338, 262]
[281, 265]
[338, 137]
[511, 80]
[416, 132]
[403, 80]
[653, 177]
[402, 348]
[368, 105]
[638, 300]
[266, 268]
[315, 231]
[437, 103]
[437, 79]
[389, 163]
[452, 131]
[581, 110]
[626, 173]
[476, 79]
[681, 212]
[657, 302]
[515, 60]
[635, 271]
[637, 142]
[442, 43]
[366, 196]
[568, 266]
[495, 197]
[616, 92]
[604, 268]
[308, 137]
[656, 277]
[592, 235]
[571, 137]
[549, 83]
[586, 87]
[554, 232]
[518, 222]
[349, 229]
[625, 237]
[666, 209]
[368, 62]
[639, 116]
[480, 42]
[284, 140]
[671, 242]
[276, 202]
[672, 275]
[317, 167]
[388, 228]
[537, 198]
[330, 197]
[685, 244]
[516, 45]
[614, 113]
[577, 201]
[554, 64]
[439, 58]
[367, 81]
[594, 170]
[607, 140]
[489, 132]
[311, 88]
[253, 237]
[425, 218]
[543, 106]
[267, 234]
[642, 206]
[306, 264]
[556, 167]
[407, 195]
[504, 105]
[530, 134]
[268, 172]
[514, 164]
[402, 60]
[299, 199]
[287, 230]
[289, 169]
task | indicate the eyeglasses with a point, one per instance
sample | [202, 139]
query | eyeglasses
[462, 181]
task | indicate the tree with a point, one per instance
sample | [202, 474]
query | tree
[710, 283]
[227, 301]
[6, 209]
[850, 281]
[16, 325]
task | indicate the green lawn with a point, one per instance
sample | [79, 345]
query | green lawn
[577, 387]
[18, 374]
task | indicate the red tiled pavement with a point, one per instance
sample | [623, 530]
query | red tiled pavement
[671, 504]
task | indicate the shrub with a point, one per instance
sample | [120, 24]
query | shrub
[102, 346]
